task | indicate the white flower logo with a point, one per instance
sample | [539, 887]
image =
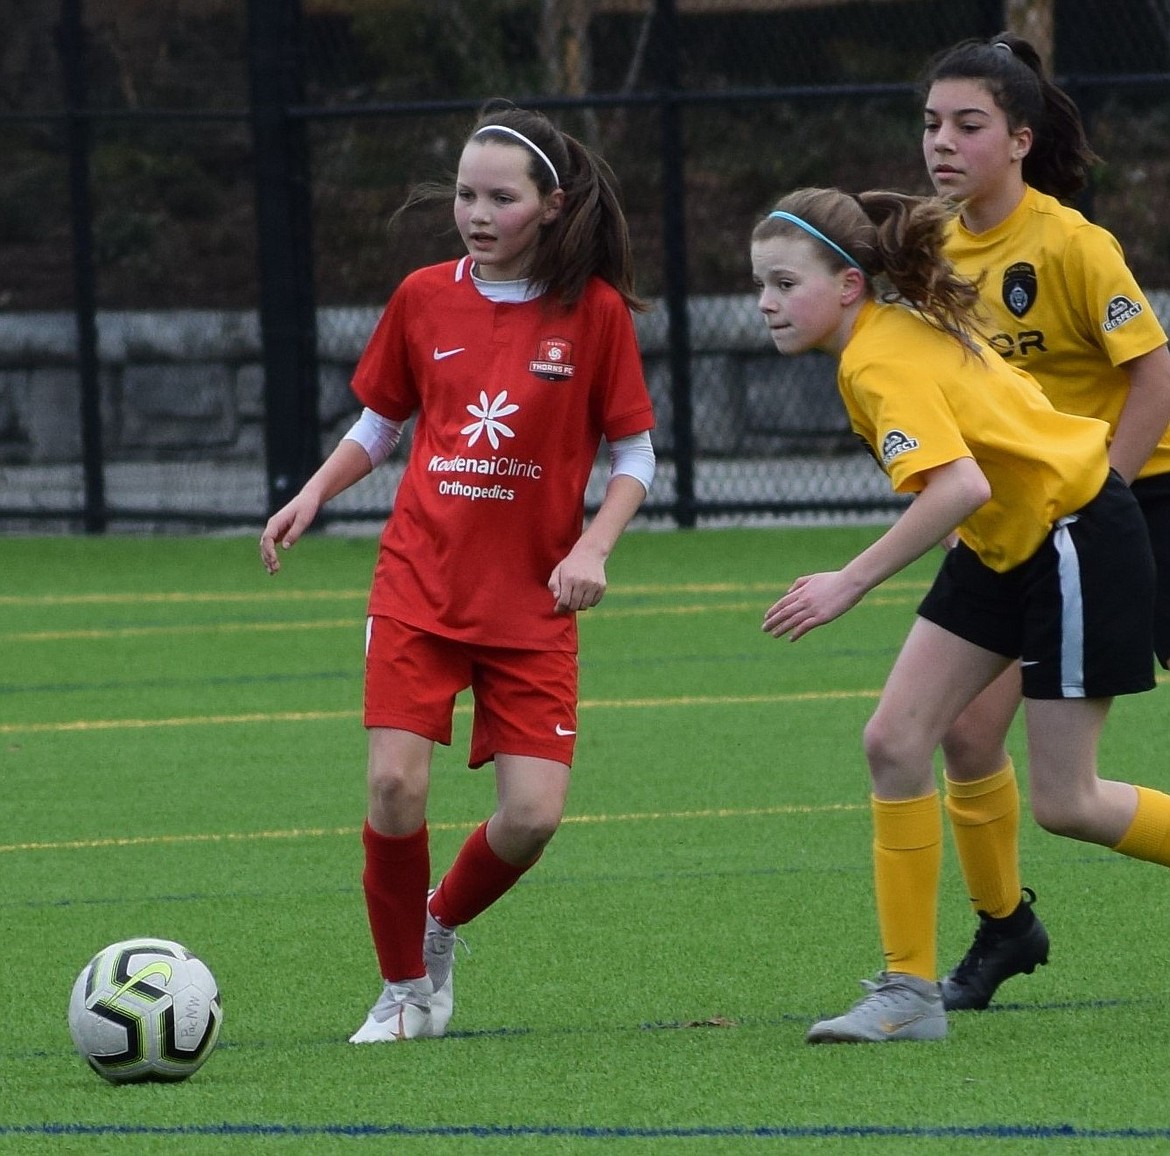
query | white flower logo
[488, 415]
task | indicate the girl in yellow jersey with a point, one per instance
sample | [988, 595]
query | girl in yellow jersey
[1057, 299]
[1052, 566]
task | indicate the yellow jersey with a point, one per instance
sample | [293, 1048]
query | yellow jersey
[1059, 300]
[920, 399]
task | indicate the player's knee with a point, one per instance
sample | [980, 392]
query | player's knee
[969, 754]
[893, 750]
[395, 787]
[529, 826]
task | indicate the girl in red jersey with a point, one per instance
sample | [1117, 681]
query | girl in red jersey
[1052, 567]
[1058, 300]
[516, 361]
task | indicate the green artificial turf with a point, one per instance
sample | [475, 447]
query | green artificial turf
[182, 756]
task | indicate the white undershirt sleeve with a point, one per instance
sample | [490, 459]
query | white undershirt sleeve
[633, 456]
[376, 434]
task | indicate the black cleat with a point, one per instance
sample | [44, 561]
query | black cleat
[1002, 948]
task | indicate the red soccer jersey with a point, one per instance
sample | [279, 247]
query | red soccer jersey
[512, 403]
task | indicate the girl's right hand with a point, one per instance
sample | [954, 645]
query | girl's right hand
[286, 526]
[811, 601]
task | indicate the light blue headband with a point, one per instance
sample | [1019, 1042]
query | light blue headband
[803, 224]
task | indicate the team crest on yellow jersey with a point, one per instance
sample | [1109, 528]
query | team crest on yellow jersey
[1019, 287]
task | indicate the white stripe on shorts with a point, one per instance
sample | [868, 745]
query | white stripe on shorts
[1072, 618]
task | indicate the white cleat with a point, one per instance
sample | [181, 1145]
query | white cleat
[439, 956]
[403, 1012]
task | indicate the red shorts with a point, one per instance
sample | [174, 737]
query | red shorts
[525, 701]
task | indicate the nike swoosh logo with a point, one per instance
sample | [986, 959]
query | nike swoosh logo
[1029, 662]
[442, 355]
[562, 732]
[889, 1027]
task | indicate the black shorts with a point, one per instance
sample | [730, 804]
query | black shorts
[1153, 495]
[1078, 614]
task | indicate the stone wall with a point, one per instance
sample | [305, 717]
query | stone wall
[183, 420]
[189, 385]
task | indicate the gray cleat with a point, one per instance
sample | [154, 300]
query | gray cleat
[898, 1007]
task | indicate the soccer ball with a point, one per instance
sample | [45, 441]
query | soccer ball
[145, 1009]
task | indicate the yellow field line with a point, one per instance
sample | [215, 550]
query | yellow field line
[296, 716]
[132, 724]
[114, 724]
[179, 597]
[758, 606]
[350, 832]
[355, 623]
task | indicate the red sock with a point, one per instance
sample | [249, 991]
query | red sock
[477, 878]
[396, 878]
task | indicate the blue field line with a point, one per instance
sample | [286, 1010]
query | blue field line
[604, 1132]
[195, 897]
[587, 663]
[355, 891]
[610, 877]
[353, 675]
[155, 684]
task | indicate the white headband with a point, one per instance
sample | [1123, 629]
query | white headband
[524, 140]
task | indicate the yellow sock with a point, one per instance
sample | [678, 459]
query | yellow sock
[985, 820]
[1148, 836]
[907, 861]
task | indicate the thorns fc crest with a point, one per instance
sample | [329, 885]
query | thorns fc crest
[554, 359]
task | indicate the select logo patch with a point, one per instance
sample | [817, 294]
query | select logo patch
[895, 444]
[554, 359]
[1019, 287]
[1120, 310]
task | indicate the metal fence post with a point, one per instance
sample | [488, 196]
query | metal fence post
[71, 45]
[675, 260]
[288, 323]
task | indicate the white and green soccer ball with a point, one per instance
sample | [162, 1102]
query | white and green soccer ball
[145, 1009]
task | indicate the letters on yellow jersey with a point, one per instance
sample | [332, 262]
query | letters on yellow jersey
[1019, 344]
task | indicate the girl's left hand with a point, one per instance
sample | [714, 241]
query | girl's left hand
[578, 581]
[811, 601]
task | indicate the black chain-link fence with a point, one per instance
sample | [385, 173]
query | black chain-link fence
[196, 197]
